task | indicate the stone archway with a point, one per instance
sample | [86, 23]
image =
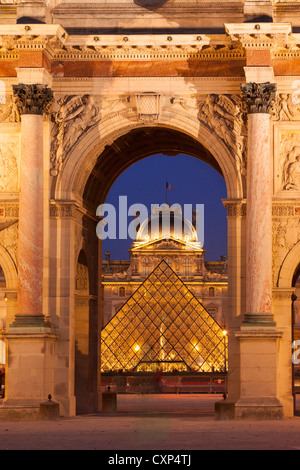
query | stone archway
[99, 158]
[199, 140]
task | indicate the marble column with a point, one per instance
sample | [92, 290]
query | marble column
[32, 101]
[30, 368]
[259, 99]
[258, 335]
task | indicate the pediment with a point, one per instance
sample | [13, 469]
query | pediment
[164, 244]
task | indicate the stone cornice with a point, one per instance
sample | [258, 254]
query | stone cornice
[260, 36]
[58, 45]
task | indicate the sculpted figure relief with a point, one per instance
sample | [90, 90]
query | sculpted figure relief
[76, 114]
[290, 161]
[8, 167]
[284, 109]
[9, 111]
[291, 170]
[222, 114]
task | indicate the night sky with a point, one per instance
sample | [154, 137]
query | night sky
[194, 182]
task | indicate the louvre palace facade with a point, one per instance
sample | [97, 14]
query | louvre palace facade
[86, 90]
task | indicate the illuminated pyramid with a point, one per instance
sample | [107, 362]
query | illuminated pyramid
[163, 326]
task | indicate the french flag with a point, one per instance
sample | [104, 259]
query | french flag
[169, 187]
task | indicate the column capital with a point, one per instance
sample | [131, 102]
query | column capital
[32, 99]
[259, 97]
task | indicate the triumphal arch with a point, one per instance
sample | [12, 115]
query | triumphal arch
[89, 88]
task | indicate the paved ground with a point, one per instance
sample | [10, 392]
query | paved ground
[153, 422]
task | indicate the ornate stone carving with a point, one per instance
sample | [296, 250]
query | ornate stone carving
[9, 111]
[75, 116]
[236, 209]
[290, 161]
[82, 277]
[9, 238]
[222, 115]
[61, 211]
[8, 165]
[283, 211]
[259, 97]
[286, 234]
[148, 105]
[285, 109]
[32, 99]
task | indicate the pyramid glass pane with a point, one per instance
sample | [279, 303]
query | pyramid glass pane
[163, 326]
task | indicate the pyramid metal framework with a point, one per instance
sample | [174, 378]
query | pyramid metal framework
[163, 326]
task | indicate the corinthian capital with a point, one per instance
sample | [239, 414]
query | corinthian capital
[259, 97]
[32, 99]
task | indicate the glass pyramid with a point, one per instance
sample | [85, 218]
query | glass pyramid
[163, 326]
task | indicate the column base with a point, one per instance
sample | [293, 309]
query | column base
[259, 408]
[259, 320]
[32, 322]
[20, 410]
[29, 377]
[249, 409]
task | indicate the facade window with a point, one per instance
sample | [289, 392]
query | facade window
[121, 291]
[212, 312]
[211, 292]
[146, 267]
[187, 267]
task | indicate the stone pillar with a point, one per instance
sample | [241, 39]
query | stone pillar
[31, 344]
[258, 335]
[32, 101]
[259, 98]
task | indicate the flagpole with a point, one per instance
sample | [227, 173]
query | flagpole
[166, 191]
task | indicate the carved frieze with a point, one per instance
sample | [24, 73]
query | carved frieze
[61, 211]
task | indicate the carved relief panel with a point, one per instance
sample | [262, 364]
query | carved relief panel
[287, 161]
[9, 154]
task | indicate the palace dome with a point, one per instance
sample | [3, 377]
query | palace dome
[167, 222]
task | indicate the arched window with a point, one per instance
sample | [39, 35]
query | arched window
[212, 312]
[186, 267]
[146, 266]
[121, 291]
[211, 292]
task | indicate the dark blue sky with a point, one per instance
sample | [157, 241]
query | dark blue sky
[194, 183]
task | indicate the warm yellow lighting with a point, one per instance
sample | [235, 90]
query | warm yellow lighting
[224, 332]
[196, 347]
[137, 348]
